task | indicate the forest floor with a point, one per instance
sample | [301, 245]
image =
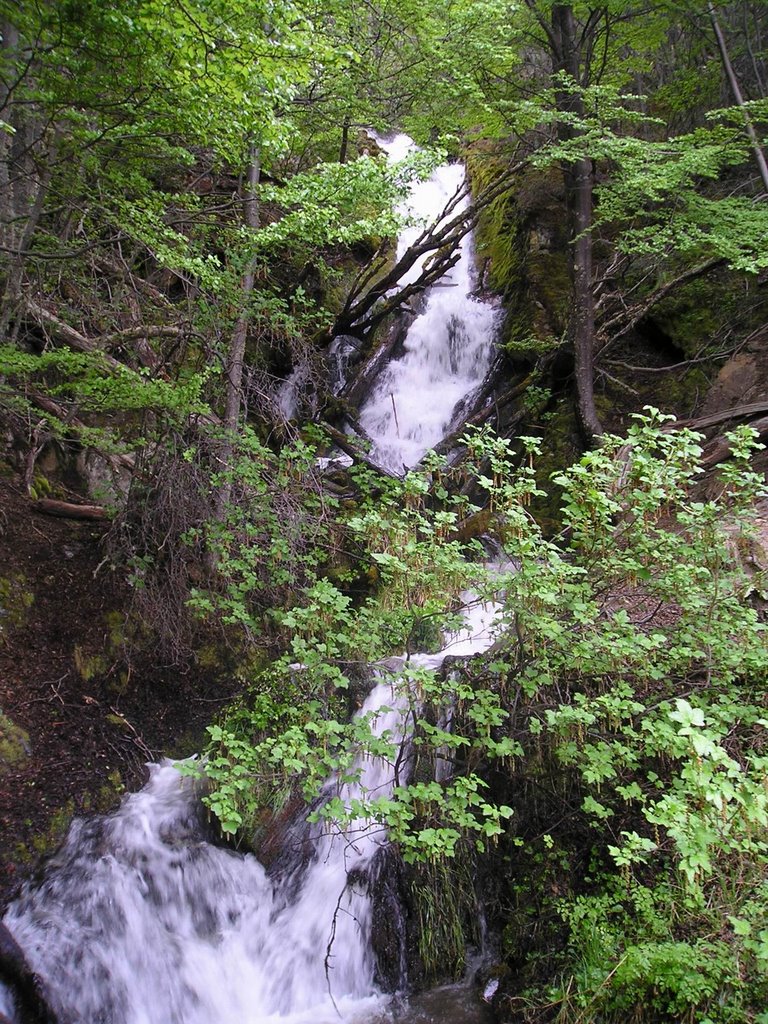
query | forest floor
[77, 723]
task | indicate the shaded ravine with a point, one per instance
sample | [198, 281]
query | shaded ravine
[141, 919]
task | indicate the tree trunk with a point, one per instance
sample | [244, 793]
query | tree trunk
[12, 297]
[343, 150]
[236, 354]
[8, 46]
[583, 313]
[733, 81]
[578, 177]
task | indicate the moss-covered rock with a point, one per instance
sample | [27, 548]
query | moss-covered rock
[14, 744]
[523, 249]
[16, 598]
[100, 800]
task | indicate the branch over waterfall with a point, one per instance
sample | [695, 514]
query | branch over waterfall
[373, 298]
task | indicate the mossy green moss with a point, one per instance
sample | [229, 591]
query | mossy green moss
[46, 842]
[560, 447]
[550, 282]
[40, 487]
[701, 313]
[16, 598]
[501, 242]
[121, 632]
[522, 244]
[14, 744]
[89, 665]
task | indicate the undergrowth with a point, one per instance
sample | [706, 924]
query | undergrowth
[627, 679]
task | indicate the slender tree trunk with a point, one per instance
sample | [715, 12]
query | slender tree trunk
[343, 151]
[20, 245]
[8, 47]
[578, 177]
[236, 353]
[737, 95]
[583, 313]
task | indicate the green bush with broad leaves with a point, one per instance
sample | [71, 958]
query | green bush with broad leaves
[632, 662]
[642, 661]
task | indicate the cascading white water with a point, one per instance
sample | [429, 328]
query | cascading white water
[141, 920]
[448, 348]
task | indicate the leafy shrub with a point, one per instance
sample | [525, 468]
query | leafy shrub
[631, 663]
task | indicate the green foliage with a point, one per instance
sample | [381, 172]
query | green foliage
[83, 384]
[643, 665]
[420, 568]
[633, 661]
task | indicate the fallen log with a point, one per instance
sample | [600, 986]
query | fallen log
[719, 449]
[738, 412]
[364, 374]
[351, 449]
[70, 510]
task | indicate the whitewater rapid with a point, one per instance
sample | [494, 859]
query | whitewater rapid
[448, 349]
[140, 919]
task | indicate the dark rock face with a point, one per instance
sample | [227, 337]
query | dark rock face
[26, 986]
[389, 930]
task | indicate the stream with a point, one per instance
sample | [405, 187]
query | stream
[140, 919]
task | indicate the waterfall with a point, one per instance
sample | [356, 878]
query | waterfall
[448, 349]
[140, 918]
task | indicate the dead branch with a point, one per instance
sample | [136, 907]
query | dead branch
[484, 414]
[353, 450]
[369, 303]
[50, 322]
[68, 510]
[622, 323]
